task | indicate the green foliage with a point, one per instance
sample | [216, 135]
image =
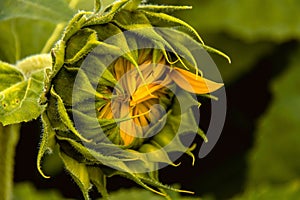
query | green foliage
[20, 90]
[138, 194]
[274, 158]
[49, 10]
[22, 37]
[25, 191]
[250, 20]
[286, 191]
[277, 20]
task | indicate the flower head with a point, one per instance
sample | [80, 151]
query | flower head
[113, 94]
[140, 93]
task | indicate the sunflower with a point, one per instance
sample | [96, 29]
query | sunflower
[121, 92]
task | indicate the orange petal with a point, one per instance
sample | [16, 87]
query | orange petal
[193, 83]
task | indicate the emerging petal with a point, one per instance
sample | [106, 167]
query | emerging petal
[193, 83]
[145, 92]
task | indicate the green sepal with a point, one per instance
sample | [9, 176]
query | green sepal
[79, 173]
[64, 115]
[171, 19]
[62, 84]
[120, 41]
[163, 8]
[183, 45]
[202, 135]
[97, 71]
[136, 178]
[177, 38]
[131, 20]
[82, 89]
[104, 31]
[138, 23]
[105, 17]
[157, 40]
[98, 178]
[156, 126]
[213, 50]
[80, 45]
[98, 130]
[89, 125]
[132, 5]
[16, 96]
[58, 55]
[110, 30]
[115, 157]
[168, 138]
[47, 143]
[156, 55]
[178, 125]
[183, 102]
[153, 182]
[145, 180]
[155, 153]
[97, 5]
[76, 23]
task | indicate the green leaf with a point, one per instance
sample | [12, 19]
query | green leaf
[19, 101]
[276, 21]
[286, 191]
[137, 194]
[49, 10]
[24, 190]
[275, 157]
[9, 75]
[20, 38]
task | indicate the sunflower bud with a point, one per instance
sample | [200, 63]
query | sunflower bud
[121, 93]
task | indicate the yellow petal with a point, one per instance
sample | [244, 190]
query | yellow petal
[192, 82]
[127, 139]
[142, 118]
[127, 131]
[145, 93]
[105, 111]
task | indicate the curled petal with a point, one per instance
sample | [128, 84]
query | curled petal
[193, 83]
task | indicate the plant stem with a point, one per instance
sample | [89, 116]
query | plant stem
[9, 137]
[54, 37]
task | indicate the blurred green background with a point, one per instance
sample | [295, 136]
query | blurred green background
[257, 155]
